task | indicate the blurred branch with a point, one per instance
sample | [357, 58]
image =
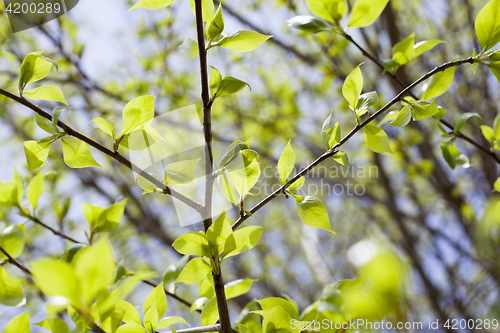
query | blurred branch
[15, 262]
[54, 231]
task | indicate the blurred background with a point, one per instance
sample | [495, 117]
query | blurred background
[410, 204]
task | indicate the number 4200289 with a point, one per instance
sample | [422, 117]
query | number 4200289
[33, 8]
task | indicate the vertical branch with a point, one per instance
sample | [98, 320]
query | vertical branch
[225, 322]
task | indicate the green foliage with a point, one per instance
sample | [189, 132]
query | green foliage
[210, 313]
[191, 47]
[242, 240]
[139, 111]
[216, 26]
[309, 23]
[365, 12]
[312, 212]
[286, 163]
[46, 93]
[54, 325]
[156, 297]
[423, 110]
[19, 324]
[101, 219]
[453, 156]
[237, 288]
[13, 240]
[11, 291]
[403, 117]
[152, 4]
[243, 41]
[207, 7]
[169, 321]
[180, 173]
[195, 270]
[37, 153]
[151, 319]
[331, 11]
[438, 84]
[352, 87]
[77, 154]
[229, 86]
[487, 25]
[35, 189]
[376, 139]
[192, 243]
[464, 118]
[34, 68]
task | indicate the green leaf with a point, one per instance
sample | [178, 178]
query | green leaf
[46, 93]
[11, 292]
[131, 315]
[57, 278]
[151, 319]
[330, 10]
[438, 84]
[341, 158]
[206, 291]
[102, 219]
[137, 112]
[376, 139]
[488, 133]
[229, 86]
[312, 212]
[217, 234]
[309, 23]
[44, 124]
[367, 99]
[403, 118]
[152, 4]
[352, 87]
[104, 126]
[20, 324]
[244, 239]
[237, 288]
[325, 137]
[215, 79]
[55, 325]
[207, 7]
[192, 243]
[272, 302]
[210, 313]
[495, 69]
[36, 153]
[156, 296]
[13, 240]
[286, 163]
[297, 184]
[497, 185]
[335, 135]
[278, 320]
[453, 156]
[140, 138]
[216, 26]
[191, 47]
[243, 41]
[180, 173]
[34, 68]
[423, 110]
[404, 51]
[35, 189]
[195, 271]
[426, 45]
[55, 117]
[131, 328]
[365, 12]
[464, 118]
[76, 154]
[496, 127]
[487, 25]
[169, 321]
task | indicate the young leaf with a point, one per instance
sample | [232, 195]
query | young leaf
[36, 153]
[376, 139]
[56, 278]
[341, 158]
[496, 127]
[156, 296]
[277, 320]
[207, 7]
[325, 137]
[335, 135]
[215, 79]
[286, 163]
[423, 110]
[309, 23]
[216, 26]
[210, 313]
[351, 89]
[365, 12]
[297, 184]
[54, 325]
[169, 321]
[497, 185]
[13, 240]
[229, 86]
[330, 10]
[488, 133]
[102, 219]
[426, 45]
[104, 126]
[20, 324]
[438, 84]
[453, 156]
[243, 41]
[55, 117]
[131, 315]
[180, 173]
[131, 328]
[242, 240]
[195, 271]
[77, 154]
[151, 319]
[44, 124]
[192, 243]
[272, 302]
[152, 4]
[237, 288]
[464, 118]
[138, 112]
[487, 25]
[34, 68]
[403, 118]
[35, 189]
[312, 212]
[46, 93]
[11, 292]
[217, 234]
[191, 47]
[404, 51]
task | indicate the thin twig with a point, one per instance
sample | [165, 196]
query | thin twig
[54, 231]
[356, 129]
[15, 262]
[115, 155]
[201, 329]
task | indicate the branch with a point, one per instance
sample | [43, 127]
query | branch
[334, 150]
[115, 155]
[177, 297]
[443, 121]
[213, 328]
[54, 231]
[15, 262]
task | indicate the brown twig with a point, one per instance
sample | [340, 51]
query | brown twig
[15, 262]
